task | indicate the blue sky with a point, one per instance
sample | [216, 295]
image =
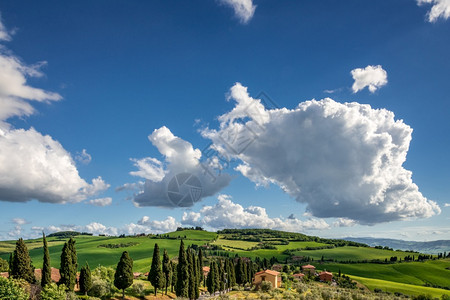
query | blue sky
[90, 92]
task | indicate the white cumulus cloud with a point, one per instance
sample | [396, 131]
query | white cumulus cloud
[19, 221]
[343, 160]
[439, 9]
[83, 157]
[101, 201]
[227, 214]
[33, 165]
[372, 77]
[182, 170]
[243, 9]
[344, 222]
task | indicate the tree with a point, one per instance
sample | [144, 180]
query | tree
[11, 261]
[222, 278]
[21, 266]
[174, 275]
[123, 277]
[46, 267]
[193, 280]
[182, 287]
[210, 278]
[85, 279]
[239, 270]
[167, 270]
[155, 276]
[11, 289]
[4, 266]
[69, 265]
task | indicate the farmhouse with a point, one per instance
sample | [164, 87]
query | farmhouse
[309, 269]
[55, 274]
[268, 275]
[325, 276]
[4, 274]
[298, 276]
[136, 275]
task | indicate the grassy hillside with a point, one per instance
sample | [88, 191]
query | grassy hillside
[392, 287]
[89, 249]
[435, 272]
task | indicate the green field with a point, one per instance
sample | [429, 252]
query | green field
[88, 250]
[406, 277]
[392, 287]
[418, 273]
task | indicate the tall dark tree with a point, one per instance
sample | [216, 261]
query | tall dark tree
[182, 287]
[210, 282]
[11, 262]
[123, 277]
[21, 266]
[46, 267]
[200, 257]
[222, 278]
[200, 267]
[69, 265]
[174, 276]
[216, 277]
[156, 276]
[192, 276]
[239, 271]
[167, 270]
[85, 279]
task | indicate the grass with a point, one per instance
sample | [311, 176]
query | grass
[88, 250]
[236, 244]
[433, 272]
[352, 253]
[407, 289]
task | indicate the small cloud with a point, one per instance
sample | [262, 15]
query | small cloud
[101, 201]
[4, 35]
[20, 221]
[83, 157]
[447, 205]
[243, 9]
[344, 222]
[372, 77]
[291, 217]
[440, 9]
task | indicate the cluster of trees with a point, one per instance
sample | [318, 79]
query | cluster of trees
[67, 234]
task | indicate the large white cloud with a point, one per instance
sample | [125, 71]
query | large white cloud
[343, 159]
[181, 164]
[227, 214]
[372, 77]
[33, 165]
[243, 9]
[440, 9]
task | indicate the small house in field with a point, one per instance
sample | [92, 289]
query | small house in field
[4, 274]
[54, 274]
[273, 277]
[136, 275]
[205, 271]
[325, 276]
[298, 276]
[309, 269]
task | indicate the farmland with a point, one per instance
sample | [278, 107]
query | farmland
[353, 260]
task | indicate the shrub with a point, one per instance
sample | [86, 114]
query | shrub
[100, 288]
[138, 289]
[11, 290]
[266, 286]
[53, 292]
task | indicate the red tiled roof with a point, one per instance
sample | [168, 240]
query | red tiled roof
[4, 274]
[325, 272]
[308, 267]
[271, 272]
[298, 275]
[205, 269]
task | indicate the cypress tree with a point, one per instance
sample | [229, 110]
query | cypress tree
[182, 287]
[11, 258]
[210, 278]
[167, 270]
[216, 277]
[46, 268]
[155, 276]
[221, 275]
[200, 257]
[232, 274]
[239, 270]
[200, 267]
[123, 277]
[192, 277]
[21, 263]
[174, 275]
[85, 279]
[69, 265]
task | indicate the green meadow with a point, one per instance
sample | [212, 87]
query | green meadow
[411, 278]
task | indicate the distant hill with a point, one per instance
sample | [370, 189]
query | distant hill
[433, 247]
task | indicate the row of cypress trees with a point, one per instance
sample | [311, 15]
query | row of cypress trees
[21, 266]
